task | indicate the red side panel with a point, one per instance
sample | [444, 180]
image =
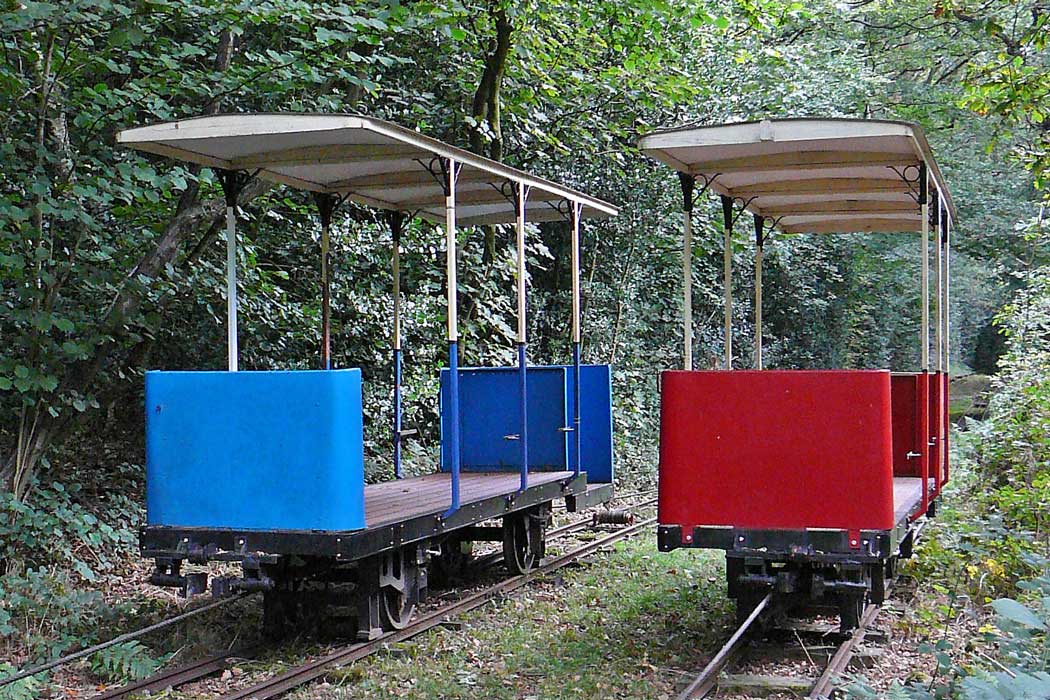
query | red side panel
[776, 449]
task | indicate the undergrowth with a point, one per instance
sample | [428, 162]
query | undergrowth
[57, 556]
[987, 560]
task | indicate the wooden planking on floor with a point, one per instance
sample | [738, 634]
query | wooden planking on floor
[907, 493]
[394, 501]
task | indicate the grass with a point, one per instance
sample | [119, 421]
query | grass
[618, 627]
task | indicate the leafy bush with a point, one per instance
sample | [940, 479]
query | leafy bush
[54, 529]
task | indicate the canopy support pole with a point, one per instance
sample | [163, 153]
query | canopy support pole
[760, 241]
[945, 236]
[946, 227]
[924, 376]
[233, 181]
[727, 261]
[396, 221]
[450, 172]
[924, 206]
[326, 205]
[521, 193]
[938, 339]
[575, 215]
[687, 182]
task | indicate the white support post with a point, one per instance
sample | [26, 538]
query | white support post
[576, 301]
[231, 287]
[759, 247]
[946, 304]
[727, 277]
[520, 230]
[687, 288]
[925, 275]
[938, 310]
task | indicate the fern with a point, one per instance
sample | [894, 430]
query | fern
[26, 689]
[129, 661]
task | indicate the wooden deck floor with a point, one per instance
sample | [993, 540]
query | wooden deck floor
[907, 494]
[403, 499]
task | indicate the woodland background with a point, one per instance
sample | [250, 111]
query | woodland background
[111, 263]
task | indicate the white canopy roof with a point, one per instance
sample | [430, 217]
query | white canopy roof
[810, 175]
[375, 162]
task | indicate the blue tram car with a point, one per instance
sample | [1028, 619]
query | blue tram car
[266, 469]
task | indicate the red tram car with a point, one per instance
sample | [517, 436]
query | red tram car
[811, 480]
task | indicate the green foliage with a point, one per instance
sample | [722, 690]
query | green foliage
[992, 546]
[55, 529]
[46, 613]
[128, 661]
[29, 688]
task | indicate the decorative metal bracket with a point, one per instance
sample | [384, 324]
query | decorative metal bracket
[743, 203]
[911, 182]
[690, 195]
[510, 192]
[233, 181]
[768, 228]
[438, 169]
[327, 203]
[565, 208]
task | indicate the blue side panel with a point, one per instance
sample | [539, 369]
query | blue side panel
[489, 411]
[255, 450]
[596, 421]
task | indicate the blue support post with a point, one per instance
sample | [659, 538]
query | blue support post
[397, 413]
[453, 391]
[523, 448]
[577, 436]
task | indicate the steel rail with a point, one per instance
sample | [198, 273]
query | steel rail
[708, 678]
[117, 640]
[173, 677]
[840, 661]
[313, 670]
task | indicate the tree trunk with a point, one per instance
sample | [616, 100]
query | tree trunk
[485, 108]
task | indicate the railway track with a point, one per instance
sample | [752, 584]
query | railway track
[305, 673]
[708, 682]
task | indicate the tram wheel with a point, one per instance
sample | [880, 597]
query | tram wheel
[520, 543]
[397, 602]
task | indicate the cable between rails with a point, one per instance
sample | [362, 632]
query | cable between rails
[117, 640]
